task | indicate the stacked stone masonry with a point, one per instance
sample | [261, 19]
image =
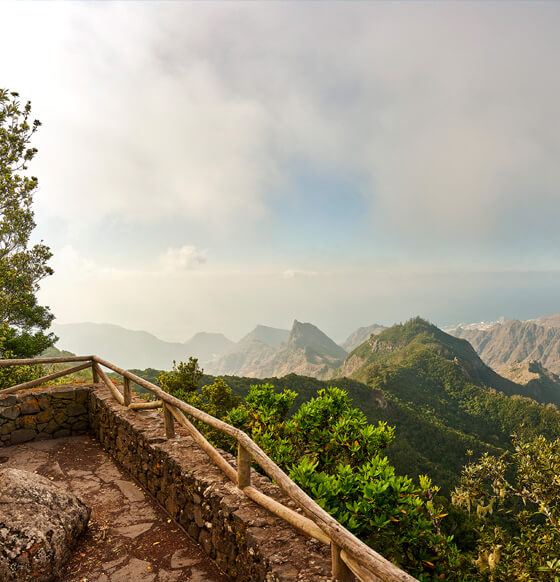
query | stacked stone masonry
[49, 413]
[246, 541]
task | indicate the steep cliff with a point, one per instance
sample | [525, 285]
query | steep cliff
[517, 341]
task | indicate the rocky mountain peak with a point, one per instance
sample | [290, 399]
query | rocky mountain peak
[272, 337]
[306, 335]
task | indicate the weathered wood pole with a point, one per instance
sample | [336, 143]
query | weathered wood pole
[94, 374]
[39, 381]
[148, 405]
[208, 448]
[243, 467]
[169, 421]
[114, 390]
[340, 571]
[127, 391]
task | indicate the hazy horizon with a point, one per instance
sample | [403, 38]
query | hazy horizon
[338, 340]
[209, 166]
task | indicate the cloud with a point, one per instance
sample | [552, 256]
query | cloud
[293, 273]
[442, 117]
[185, 257]
[199, 111]
[68, 261]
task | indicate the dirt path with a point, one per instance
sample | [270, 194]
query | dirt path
[129, 537]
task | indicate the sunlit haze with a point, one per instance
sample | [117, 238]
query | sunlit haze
[212, 166]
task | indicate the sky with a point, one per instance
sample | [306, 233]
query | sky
[210, 166]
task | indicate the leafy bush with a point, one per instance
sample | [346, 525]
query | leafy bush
[526, 484]
[329, 449]
[182, 379]
[12, 375]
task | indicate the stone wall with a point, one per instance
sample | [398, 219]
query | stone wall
[43, 414]
[245, 540]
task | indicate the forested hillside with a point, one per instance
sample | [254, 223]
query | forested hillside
[443, 400]
[433, 388]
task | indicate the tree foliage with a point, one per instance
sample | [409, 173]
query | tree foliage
[23, 321]
[330, 450]
[525, 484]
[182, 380]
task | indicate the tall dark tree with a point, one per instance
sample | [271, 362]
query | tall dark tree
[23, 322]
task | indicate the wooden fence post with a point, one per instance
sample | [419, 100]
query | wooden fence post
[127, 391]
[169, 421]
[243, 467]
[94, 374]
[340, 571]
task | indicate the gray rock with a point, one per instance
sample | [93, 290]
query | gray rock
[75, 409]
[30, 407]
[63, 432]
[129, 490]
[181, 558]
[133, 531]
[22, 435]
[8, 401]
[39, 526]
[10, 412]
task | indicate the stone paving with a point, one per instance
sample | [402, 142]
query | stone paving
[129, 537]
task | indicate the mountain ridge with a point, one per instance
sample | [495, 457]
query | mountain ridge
[360, 335]
[307, 351]
[135, 348]
[443, 400]
[512, 341]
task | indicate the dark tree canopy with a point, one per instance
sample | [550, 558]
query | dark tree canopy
[23, 321]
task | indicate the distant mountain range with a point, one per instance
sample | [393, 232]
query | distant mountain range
[265, 351]
[505, 343]
[136, 349]
[360, 336]
[442, 399]
[306, 350]
[251, 353]
[433, 387]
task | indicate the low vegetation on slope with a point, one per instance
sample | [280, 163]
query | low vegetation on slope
[443, 400]
[330, 450]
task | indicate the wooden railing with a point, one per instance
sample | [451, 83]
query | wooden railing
[350, 556]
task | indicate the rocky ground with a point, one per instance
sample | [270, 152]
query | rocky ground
[129, 537]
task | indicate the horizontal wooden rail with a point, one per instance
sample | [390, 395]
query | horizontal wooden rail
[360, 572]
[146, 405]
[363, 561]
[299, 521]
[39, 361]
[44, 379]
[207, 447]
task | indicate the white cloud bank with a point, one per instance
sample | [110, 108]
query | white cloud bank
[443, 115]
[293, 273]
[185, 257]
